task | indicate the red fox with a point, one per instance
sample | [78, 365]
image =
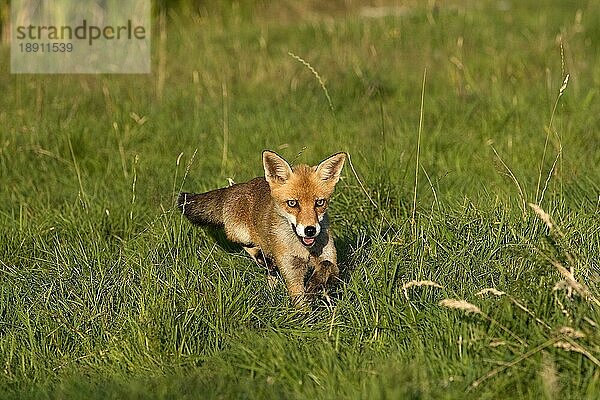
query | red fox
[280, 220]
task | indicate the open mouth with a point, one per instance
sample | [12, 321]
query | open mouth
[307, 241]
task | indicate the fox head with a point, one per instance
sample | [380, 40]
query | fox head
[302, 193]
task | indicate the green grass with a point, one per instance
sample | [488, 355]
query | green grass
[105, 292]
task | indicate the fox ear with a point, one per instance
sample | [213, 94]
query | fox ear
[331, 168]
[276, 168]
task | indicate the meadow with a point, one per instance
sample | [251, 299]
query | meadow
[467, 225]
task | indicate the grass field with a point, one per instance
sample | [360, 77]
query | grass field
[106, 292]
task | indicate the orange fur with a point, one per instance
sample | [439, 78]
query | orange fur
[281, 220]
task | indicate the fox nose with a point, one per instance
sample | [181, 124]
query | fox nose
[310, 231]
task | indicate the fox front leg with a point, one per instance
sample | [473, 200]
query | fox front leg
[293, 270]
[325, 270]
[259, 258]
[324, 273]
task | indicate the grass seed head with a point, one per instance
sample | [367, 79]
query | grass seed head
[493, 291]
[564, 85]
[571, 332]
[566, 346]
[543, 215]
[411, 284]
[460, 305]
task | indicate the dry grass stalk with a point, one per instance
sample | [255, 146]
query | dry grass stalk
[563, 309]
[565, 346]
[543, 215]
[563, 285]
[499, 293]
[410, 284]
[472, 308]
[315, 73]
[461, 305]
[550, 130]
[187, 168]
[572, 283]
[361, 184]
[528, 311]
[515, 180]
[569, 345]
[571, 332]
[569, 282]
[554, 229]
[560, 285]
[493, 291]
[331, 323]
[547, 182]
[414, 210]
[514, 362]
[564, 85]
[225, 118]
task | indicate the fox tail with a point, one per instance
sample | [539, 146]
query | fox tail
[203, 208]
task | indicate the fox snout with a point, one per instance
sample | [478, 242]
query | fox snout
[307, 234]
[309, 231]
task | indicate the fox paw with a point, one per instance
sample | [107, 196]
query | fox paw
[321, 276]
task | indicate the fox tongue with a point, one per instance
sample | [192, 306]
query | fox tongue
[308, 241]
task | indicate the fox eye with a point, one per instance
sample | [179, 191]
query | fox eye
[320, 202]
[292, 203]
